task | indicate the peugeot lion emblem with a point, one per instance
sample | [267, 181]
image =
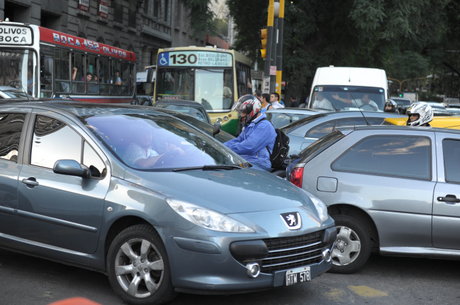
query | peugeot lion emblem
[292, 220]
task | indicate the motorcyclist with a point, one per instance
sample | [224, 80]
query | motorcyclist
[258, 133]
[391, 106]
[419, 114]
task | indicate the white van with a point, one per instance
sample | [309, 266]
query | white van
[348, 88]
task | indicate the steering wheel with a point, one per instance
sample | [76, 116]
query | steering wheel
[367, 107]
[167, 157]
[15, 83]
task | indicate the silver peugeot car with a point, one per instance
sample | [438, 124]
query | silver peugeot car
[392, 189]
[151, 201]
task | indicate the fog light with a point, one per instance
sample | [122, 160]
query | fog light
[327, 255]
[253, 269]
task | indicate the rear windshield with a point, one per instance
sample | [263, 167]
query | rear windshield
[320, 145]
[294, 125]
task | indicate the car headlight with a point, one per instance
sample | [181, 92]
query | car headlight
[321, 208]
[207, 218]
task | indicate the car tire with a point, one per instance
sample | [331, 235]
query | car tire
[140, 277]
[352, 246]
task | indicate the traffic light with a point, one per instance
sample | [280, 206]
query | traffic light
[263, 42]
[400, 95]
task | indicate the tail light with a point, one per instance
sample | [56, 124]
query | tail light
[297, 176]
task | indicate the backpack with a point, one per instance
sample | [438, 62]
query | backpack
[280, 148]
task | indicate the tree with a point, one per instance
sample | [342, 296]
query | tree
[201, 17]
[393, 35]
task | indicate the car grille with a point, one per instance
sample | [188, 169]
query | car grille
[292, 252]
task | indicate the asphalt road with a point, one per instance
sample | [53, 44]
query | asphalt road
[27, 280]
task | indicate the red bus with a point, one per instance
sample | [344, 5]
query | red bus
[52, 64]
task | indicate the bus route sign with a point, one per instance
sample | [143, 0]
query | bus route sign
[14, 34]
[202, 59]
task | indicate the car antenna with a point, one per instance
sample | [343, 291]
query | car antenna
[360, 110]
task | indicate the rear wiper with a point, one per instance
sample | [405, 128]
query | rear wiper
[207, 168]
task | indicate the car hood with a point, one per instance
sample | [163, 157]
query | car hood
[225, 191]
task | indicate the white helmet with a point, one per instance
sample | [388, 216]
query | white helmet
[424, 111]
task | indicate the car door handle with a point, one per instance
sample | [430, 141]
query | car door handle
[30, 182]
[449, 199]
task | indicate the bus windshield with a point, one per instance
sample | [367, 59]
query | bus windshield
[18, 69]
[209, 86]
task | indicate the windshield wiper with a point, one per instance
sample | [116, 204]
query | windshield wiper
[207, 168]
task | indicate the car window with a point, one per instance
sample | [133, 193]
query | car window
[53, 140]
[321, 130]
[375, 121]
[398, 156]
[451, 150]
[11, 125]
[92, 160]
[190, 110]
[351, 122]
[281, 119]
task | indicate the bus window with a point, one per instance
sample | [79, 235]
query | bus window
[62, 74]
[104, 75]
[46, 68]
[116, 77]
[92, 68]
[78, 69]
[125, 78]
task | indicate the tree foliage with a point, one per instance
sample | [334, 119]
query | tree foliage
[407, 38]
[201, 17]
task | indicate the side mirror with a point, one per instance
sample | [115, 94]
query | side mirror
[72, 168]
[216, 128]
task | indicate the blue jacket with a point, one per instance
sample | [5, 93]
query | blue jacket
[252, 142]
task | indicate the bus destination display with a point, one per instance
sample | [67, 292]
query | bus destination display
[202, 59]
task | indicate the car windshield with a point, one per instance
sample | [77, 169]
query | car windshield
[194, 111]
[279, 119]
[178, 145]
[342, 98]
[402, 102]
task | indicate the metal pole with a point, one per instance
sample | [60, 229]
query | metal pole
[279, 53]
[273, 56]
[268, 56]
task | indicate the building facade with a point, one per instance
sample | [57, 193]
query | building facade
[141, 26]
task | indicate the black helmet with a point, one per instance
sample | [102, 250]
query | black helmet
[392, 104]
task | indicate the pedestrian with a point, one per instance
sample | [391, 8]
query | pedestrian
[256, 141]
[274, 100]
[294, 102]
[265, 99]
[258, 94]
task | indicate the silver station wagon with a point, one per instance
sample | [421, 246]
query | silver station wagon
[392, 189]
[151, 201]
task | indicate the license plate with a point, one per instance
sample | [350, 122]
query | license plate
[298, 275]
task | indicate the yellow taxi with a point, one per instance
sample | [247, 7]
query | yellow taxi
[452, 122]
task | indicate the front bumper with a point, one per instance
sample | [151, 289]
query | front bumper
[209, 267]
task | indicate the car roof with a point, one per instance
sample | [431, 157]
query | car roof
[81, 109]
[296, 110]
[402, 128]
[178, 102]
